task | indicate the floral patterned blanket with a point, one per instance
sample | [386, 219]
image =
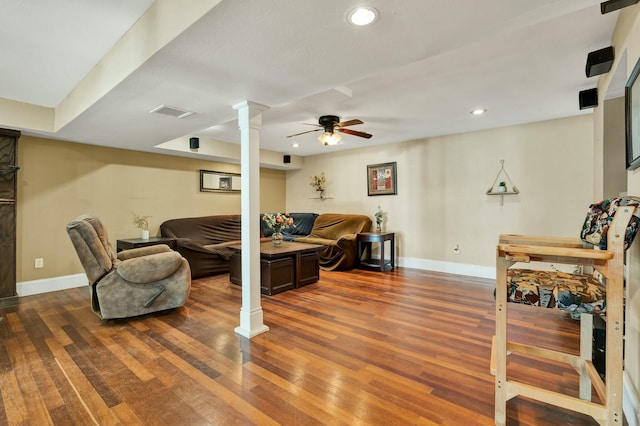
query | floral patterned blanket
[554, 289]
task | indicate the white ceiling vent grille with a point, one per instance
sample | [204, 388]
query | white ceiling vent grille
[172, 111]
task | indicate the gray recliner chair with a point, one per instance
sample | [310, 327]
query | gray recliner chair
[133, 282]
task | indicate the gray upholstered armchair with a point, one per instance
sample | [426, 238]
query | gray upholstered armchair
[135, 282]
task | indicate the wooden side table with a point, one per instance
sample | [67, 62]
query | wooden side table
[132, 243]
[366, 240]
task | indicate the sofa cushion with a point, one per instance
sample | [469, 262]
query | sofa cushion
[337, 233]
[151, 268]
[555, 289]
[302, 226]
[332, 226]
[599, 218]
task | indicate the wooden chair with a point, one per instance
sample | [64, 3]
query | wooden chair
[513, 249]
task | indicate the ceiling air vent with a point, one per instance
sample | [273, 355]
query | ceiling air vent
[172, 111]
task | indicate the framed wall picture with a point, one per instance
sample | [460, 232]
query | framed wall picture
[211, 181]
[632, 118]
[381, 179]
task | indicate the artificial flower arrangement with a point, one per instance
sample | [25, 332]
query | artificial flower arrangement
[318, 182]
[277, 221]
[141, 222]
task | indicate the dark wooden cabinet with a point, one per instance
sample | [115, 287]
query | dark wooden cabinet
[289, 266]
[8, 169]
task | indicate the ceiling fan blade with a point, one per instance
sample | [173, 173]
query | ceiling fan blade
[349, 123]
[302, 133]
[355, 133]
[311, 124]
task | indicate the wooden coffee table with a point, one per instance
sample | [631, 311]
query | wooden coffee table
[292, 265]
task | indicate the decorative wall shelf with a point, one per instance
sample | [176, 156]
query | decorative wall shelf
[321, 195]
[495, 190]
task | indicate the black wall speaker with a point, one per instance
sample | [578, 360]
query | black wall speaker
[611, 5]
[286, 159]
[588, 98]
[194, 143]
[599, 61]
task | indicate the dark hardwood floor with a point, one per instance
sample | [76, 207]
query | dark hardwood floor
[406, 347]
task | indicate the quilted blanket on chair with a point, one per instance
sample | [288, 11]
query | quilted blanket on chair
[555, 289]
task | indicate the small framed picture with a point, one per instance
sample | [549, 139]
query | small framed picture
[225, 183]
[381, 179]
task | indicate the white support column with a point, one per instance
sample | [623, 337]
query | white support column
[250, 122]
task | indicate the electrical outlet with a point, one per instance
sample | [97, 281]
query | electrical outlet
[39, 263]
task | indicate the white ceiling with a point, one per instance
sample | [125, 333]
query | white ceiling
[416, 73]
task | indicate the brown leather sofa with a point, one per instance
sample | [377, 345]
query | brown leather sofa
[204, 241]
[338, 234]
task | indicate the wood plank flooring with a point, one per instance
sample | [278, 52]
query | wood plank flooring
[406, 347]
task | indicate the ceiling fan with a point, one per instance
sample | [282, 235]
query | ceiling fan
[331, 124]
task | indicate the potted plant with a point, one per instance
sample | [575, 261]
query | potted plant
[502, 187]
[142, 222]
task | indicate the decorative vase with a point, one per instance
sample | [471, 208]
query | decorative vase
[277, 239]
[145, 234]
[378, 226]
[502, 188]
[321, 193]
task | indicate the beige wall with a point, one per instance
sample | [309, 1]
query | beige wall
[442, 182]
[614, 174]
[61, 180]
[626, 41]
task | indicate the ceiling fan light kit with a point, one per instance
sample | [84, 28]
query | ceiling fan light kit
[328, 138]
[332, 127]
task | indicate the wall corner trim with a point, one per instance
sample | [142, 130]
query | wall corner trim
[630, 401]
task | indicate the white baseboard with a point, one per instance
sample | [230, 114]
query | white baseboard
[630, 401]
[448, 267]
[29, 288]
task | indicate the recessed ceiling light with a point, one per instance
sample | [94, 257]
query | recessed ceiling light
[362, 16]
[478, 111]
[295, 145]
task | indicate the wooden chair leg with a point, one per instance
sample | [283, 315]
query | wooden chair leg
[586, 353]
[500, 348]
